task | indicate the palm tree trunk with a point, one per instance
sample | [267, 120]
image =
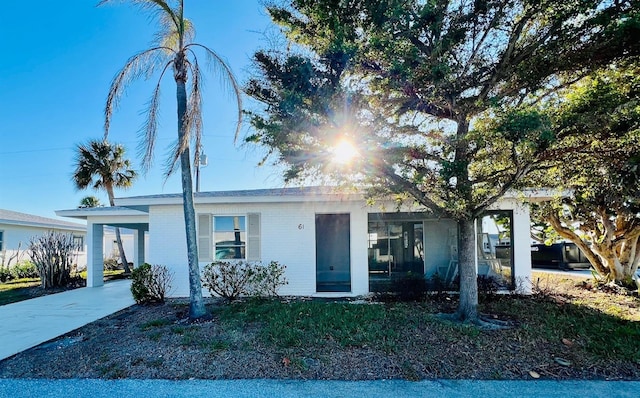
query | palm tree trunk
[196, 302]
[123, 256]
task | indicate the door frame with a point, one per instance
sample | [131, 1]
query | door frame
[340, 286]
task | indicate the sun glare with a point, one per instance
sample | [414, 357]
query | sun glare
[344, 152]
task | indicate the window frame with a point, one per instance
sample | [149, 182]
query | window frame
[243, 230]
[80, 247]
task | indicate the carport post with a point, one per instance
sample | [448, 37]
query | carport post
[95, 261]
[138, 248]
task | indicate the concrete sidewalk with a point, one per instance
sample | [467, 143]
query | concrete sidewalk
[11, 388]
[30, 322]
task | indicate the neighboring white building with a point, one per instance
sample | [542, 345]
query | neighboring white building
[110, 247]
[332, 243]
[17, 229]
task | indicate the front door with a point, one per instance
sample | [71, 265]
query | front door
[333, 252]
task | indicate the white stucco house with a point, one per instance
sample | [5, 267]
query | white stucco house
[332, 243]
[17, 229]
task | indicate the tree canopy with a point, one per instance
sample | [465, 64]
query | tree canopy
[602, 169]
[101, 165]
[414, 85]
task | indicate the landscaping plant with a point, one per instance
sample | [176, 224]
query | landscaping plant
[150, 283]
[232, 279]
[52, 253]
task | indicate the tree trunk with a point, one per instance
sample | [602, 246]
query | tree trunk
[196, 302]
[123, 256]
[614, 260]
[468, 307]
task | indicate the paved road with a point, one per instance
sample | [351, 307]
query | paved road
[328, 389]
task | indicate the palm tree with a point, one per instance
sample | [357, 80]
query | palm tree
[103, 166]
[89, 201]
[175, 50]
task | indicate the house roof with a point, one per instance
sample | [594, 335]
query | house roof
[9, 217]
[290, 194]
[253, 193]
[138, 206]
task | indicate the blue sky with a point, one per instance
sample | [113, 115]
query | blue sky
[59, 58]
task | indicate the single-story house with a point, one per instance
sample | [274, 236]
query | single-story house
[17, 229]
[333, 243]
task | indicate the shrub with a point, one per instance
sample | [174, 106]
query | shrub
[488, 285]
[24, 269]
[5, 274]
[53, 254]
[111, 264]
[409, 287]
[232, 279]
[150, 283]
[268, 279]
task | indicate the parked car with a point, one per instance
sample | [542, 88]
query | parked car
[564, 256]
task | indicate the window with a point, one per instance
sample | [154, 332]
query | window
[1, 240]
[78, 242]
[223, 237]
[495, 240]
[229, 237]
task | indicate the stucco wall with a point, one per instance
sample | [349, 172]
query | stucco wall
[19, 236]
[287, 236]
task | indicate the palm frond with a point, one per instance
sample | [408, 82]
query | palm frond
[101, 165]
[227, 79]
[162, 7]
[150, 128]
[194, 108]
[143, 63]
[192, 120]
[172, 37]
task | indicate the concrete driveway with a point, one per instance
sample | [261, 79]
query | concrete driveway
[30, 322]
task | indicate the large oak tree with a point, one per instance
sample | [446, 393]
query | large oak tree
[406, 81]
[600, 118]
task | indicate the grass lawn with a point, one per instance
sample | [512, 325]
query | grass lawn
[27, 288]
[17, 290]
[563, 331]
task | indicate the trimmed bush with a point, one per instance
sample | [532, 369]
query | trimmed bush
[268, 279]
[233, 279]
[150, 283]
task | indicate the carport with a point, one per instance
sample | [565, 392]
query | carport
[99, 217]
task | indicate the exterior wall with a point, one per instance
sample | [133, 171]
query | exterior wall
[19, 236]
[287, 236]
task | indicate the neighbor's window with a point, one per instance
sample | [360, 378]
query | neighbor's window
[1, 240]
[78, 242]
[229, 237]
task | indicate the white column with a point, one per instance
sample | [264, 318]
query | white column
[522, 247]
[138, 248]
[95, 261]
